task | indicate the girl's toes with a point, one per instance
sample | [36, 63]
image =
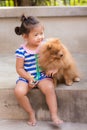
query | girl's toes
[57, 121]
[31, 123]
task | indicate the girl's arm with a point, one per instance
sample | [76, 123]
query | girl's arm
[20, 70]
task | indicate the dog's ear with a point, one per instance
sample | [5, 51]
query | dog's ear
[49, 47]
[56, 41]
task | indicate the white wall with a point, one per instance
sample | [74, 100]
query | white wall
[67, 23]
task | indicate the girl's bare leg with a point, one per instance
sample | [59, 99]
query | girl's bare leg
[21, 91]
[47, 88]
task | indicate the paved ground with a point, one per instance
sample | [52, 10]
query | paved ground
[41, 125]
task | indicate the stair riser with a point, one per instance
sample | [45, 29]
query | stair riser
[72, 105]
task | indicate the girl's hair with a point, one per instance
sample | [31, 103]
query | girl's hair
[27, 24]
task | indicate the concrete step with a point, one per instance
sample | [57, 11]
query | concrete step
[72, 104]
[72, 101]
[41, 125]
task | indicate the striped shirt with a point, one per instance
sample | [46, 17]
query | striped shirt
[30, 63]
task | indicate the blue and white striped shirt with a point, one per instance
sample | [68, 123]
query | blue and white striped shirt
[30, 63]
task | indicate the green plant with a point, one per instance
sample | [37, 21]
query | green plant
[6, 2]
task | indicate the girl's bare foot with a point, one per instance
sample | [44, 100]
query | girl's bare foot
[57, 121]
[32, 119]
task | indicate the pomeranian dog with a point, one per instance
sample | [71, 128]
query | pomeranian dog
[56, 60]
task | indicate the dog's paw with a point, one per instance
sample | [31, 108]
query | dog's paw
[69, 82]
[77, 79]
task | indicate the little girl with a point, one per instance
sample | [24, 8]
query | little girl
[30, 74]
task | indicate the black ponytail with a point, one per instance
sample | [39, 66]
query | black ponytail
[23, 18]
[18, 31]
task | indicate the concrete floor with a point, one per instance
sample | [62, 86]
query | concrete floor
[41, 125]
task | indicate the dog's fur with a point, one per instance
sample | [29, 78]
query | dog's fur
[54, 56]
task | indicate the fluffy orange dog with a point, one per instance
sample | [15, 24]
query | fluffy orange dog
[56, 60]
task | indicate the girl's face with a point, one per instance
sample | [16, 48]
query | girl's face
[36, 35]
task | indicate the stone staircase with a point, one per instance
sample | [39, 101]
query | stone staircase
[72, 100]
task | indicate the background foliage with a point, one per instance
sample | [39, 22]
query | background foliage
[43, 2]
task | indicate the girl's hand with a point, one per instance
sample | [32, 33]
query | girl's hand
[32, 82]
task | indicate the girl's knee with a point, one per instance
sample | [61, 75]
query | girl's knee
[19, 92]
[50, 85]
[48, 89]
